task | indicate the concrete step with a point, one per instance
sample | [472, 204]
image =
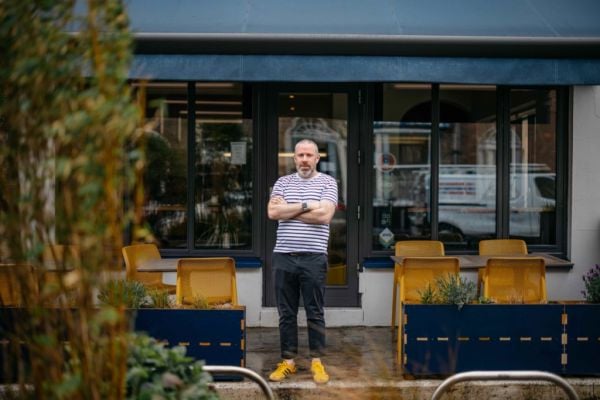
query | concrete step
[420, 389]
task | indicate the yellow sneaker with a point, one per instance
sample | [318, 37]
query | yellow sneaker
[318, 371]
[282, 371]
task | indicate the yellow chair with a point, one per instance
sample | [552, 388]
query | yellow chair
[138, 253]
[412, 248]
[212, 279]
[499, 247]
[515, 280]
[336, 274]
[502, 247]
[57, 260]
[18, 285]
[413, 277]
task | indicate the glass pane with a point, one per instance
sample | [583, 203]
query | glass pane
[400, 180]
[467, 178]
[533, 165]
[165, 181]
[224, 165]
[323, 118]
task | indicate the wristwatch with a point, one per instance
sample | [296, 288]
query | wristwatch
[304, 206]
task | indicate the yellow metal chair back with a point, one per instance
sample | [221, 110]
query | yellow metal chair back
[134, 255]
[499, 247]
[419, 248]
[412, 248]
[417, 272]
[502, 247]
[212, 279]
[18, 285]
[413, 277]
[336, 274]
[515, 280]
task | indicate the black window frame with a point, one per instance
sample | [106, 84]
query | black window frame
[563, 133]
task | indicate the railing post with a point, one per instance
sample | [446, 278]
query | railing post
[504, 376]
[248, 373]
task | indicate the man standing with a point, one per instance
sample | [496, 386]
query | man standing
[304, 203]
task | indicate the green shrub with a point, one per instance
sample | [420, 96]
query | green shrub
[199, 302]
[159, 298]
[130, 294]
[452, 289]
[429, 295]
[157, 372]
[592, 285]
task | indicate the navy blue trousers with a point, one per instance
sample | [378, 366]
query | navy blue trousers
[295, 274]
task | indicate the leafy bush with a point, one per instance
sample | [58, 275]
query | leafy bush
[130, 294]
[160, 298]
[456, 290]
[429, 295]
[157, 372]
[592, 285]
[449, 289]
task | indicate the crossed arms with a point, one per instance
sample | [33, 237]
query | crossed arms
[319, 212]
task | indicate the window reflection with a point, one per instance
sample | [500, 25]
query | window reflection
[467, 176]
[224, 166]
[401, 165]
[533, 165]
[165, 180]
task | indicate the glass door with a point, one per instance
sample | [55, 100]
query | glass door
[322, 114]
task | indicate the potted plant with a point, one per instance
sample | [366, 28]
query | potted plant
[213, 333]
[453, 331]
[592, 285]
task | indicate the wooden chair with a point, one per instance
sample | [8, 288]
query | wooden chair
[212, 279]
[515, 280]
[499, 247]
[414, 276]
[412, 248]
[138, 253]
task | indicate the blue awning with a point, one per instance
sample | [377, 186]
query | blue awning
[306, 68]
[534, 42]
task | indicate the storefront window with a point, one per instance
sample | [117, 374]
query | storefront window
[467, 173]
[533, 165]
[165, 181]
[224, 167]
[401, 165]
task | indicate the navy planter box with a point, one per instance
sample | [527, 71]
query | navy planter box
[216, 336]
[559, 338]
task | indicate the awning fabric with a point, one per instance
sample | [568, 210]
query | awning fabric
[299, 68]
[533, 42]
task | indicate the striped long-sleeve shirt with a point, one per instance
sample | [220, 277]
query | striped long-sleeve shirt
[297, 236]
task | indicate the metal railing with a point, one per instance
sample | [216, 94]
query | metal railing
[248, 373]
[504, 376]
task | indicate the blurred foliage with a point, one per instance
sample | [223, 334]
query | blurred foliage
[157, 372]
[69, 134]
